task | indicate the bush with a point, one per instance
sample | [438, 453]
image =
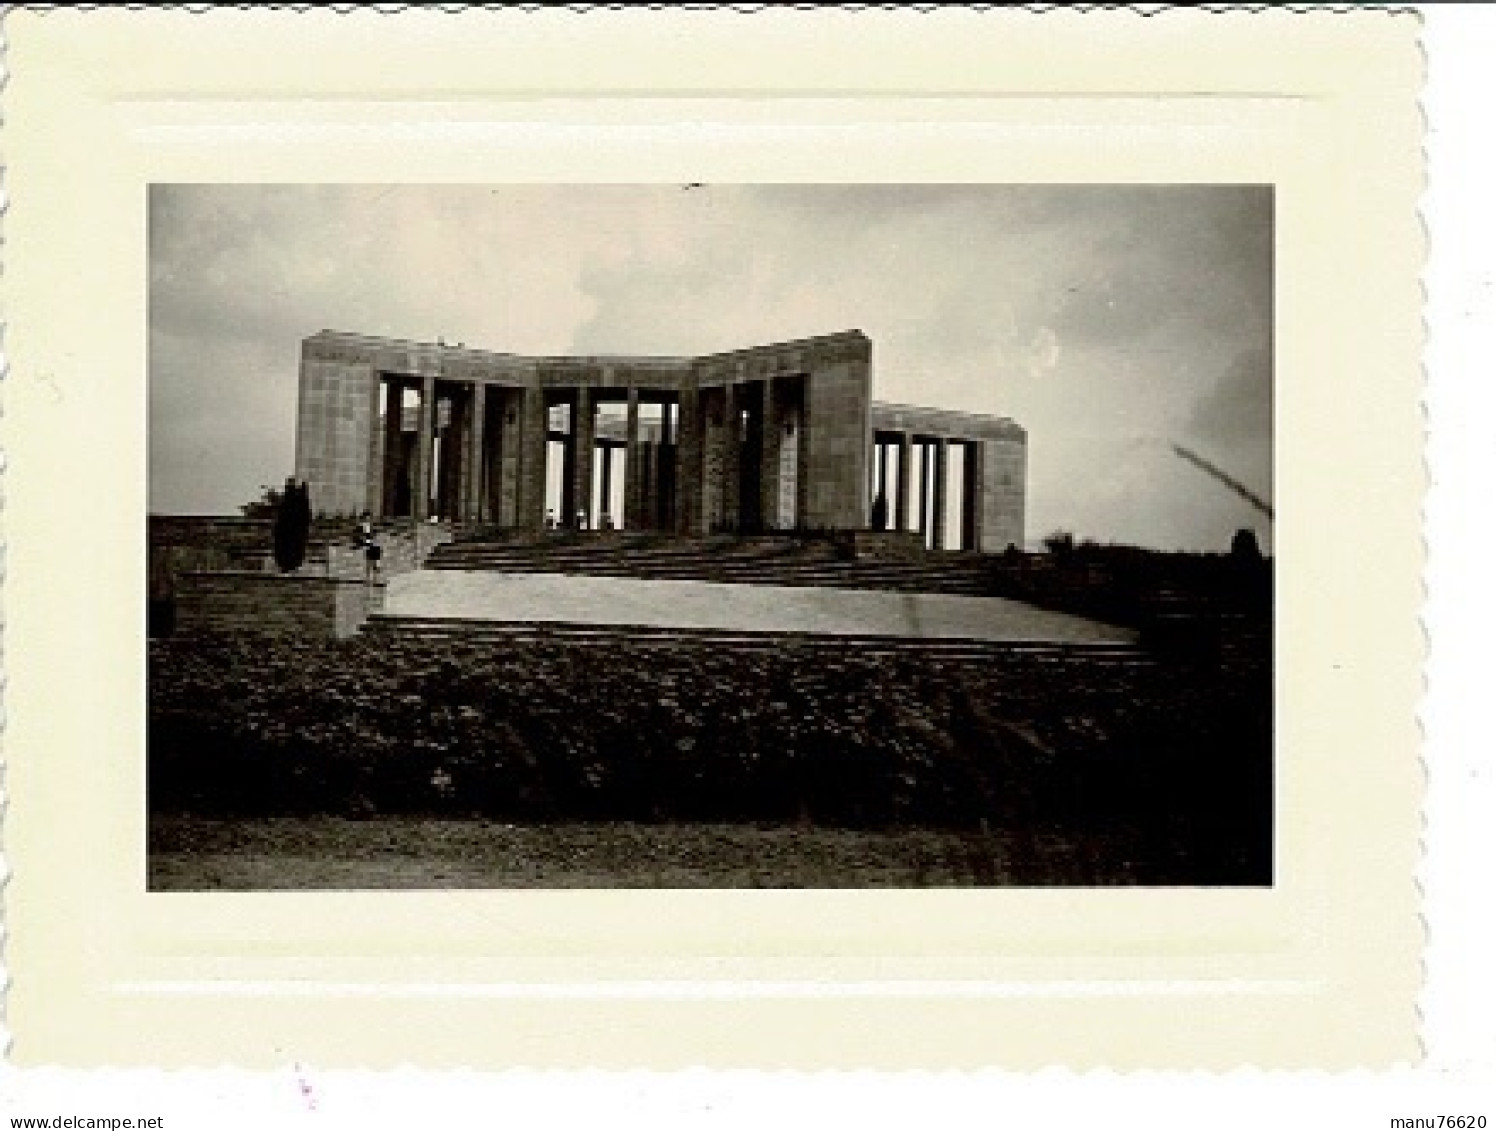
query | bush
[293, 526]
[699, 732]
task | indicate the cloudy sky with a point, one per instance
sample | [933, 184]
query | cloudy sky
[1110, 321]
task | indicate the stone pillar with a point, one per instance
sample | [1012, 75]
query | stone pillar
[771, 432]
[880, 489]
[789, 506]
[497, 403]
[713, 409]
[452, 472]
[393, 461]
[942, 450]
[805, 428]
[374, 473]
[688, 452]
[506, 460]
[664, 469]
[475, 510]
[732, 454]
[922, 508]
[532, 441]
[420, 503]
[583, 436]
[633, 470]
[605, 492]
[973, 495]
[900, 500]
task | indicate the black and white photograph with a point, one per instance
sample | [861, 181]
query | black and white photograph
[700, 535]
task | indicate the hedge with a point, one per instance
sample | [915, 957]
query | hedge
[562, 731]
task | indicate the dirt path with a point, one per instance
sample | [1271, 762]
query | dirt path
[197, 854]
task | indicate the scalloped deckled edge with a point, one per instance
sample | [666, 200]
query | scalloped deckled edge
[745, 9]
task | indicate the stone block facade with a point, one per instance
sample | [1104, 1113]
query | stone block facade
[991, 487]
[334, 430]
[782, 436]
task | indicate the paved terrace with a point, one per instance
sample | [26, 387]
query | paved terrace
[484, 595]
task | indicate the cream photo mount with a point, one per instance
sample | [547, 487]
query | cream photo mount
[1320, 970]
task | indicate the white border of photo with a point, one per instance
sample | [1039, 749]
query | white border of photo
[1321, 970]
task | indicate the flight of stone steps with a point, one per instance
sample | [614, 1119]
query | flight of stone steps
[762, 560]
[485, 634]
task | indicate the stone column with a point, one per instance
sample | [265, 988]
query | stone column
[532, 441]
[732, 454]
[664, 470]
[633, 471]
[688, 492]
[583, 433]
[771, 431]
[374, 472]
[451, 474]
[942, 450]
[507, 458]
[805, 428]
[925, 483]
[495, 447]
[393, 454]
[605, 488]
[880, 489]
[420, 503]
[974, 494]
[901, 495]
[476, 511]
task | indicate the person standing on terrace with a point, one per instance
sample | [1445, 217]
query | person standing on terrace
[370, 543]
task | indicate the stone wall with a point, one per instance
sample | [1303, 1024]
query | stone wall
[214, 542]
[834, 445]
[1004, 469]
[293, 605]
[336, 411]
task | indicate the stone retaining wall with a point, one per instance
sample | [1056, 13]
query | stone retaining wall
[272, 603]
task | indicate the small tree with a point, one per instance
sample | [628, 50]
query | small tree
[1060, 544]
[1244, 548]
[293, 525]
[263, 507]
[1249, 572]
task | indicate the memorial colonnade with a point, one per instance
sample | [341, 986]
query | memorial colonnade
[758, 439]
[775, 437]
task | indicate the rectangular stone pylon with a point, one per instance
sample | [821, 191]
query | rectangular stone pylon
[584, 436]
[688, 492]
[500, 440]
[374, 471]
[477, 481]
[880, 488]
[768, 456]
[732, 454]
[394, 451]
[532, 459]
[420, 503]
[973, 495]
[901, 495]
[926, 485]
[633, 495]
[937, 527]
